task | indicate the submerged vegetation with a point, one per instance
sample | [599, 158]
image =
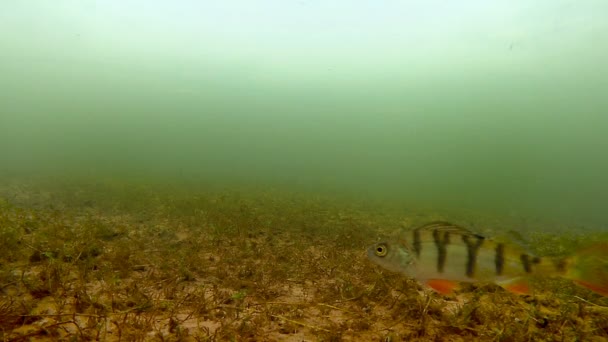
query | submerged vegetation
[130, 262]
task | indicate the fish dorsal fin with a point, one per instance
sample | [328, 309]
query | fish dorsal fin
[448, 228]
[517, 238]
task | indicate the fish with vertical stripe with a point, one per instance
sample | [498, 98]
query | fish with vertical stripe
[442, 254]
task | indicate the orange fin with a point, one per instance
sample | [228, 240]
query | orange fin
[442, 286]
[597, 288]
[589, 268]
[517, 285]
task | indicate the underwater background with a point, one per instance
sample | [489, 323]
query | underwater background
[498, 106]
[218, 170]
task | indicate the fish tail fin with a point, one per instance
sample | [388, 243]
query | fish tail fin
[589, 268]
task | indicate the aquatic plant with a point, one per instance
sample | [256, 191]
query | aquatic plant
[116, 263]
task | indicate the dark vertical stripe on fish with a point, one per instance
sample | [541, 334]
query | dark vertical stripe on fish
[499, 259]
[525, 261]
[472, 248]
[441, 242]
[417, 243]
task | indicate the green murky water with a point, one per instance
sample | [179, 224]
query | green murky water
[497, 106]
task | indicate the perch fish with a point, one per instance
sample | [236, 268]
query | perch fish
[441, 255]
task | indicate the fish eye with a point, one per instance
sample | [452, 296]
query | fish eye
[381, 250]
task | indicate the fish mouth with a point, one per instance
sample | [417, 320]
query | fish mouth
[370, 251]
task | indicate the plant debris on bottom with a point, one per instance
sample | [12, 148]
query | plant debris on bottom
[153, 265]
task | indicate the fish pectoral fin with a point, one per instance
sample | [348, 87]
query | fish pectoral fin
[442, 286]
[519, 285]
